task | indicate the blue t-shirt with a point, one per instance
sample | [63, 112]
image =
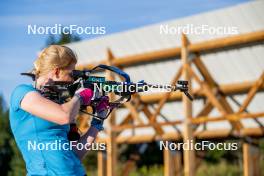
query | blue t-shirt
[43, 144]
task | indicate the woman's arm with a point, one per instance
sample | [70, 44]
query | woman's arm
[96, 125]
[44, 108]
[87, 139]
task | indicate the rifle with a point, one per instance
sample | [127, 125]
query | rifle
[61, 92]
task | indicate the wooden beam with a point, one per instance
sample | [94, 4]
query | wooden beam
[252, 93]
[213, 85]
[165, 96]
[136, 100]
[126, 119]
[168, 163]
[204, 71]
[208, 107]
[225, 42]
[247, 166]
[152, 117]
[220, 104]
[227, 89]
[129, 117]
[206, 134]
[133, 112]
[188, 155]
[111, 143]
[172, 163]
[101, 163]
[251, 159]
[178, 163]
[198, 120]
[231, 117]
[156, 127]
[231, 41]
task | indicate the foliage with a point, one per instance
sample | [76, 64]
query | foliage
[220, 169]
[62, 39]
[11, 161]
[231, 156]
[5, 152]
[155, 170]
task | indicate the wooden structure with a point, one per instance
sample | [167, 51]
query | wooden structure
[214, 94]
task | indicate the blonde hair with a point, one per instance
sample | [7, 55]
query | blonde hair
[54, 56]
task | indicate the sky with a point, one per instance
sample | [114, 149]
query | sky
[18, 49]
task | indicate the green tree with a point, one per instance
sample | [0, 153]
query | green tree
[62, 39]
[11, 161]
[5, 137]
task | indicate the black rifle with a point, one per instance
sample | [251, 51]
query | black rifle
[61, 92]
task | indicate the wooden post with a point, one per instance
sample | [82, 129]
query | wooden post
[251, 160]
[168, 163]
[111, 143]
[189, 155]
[101, 163]
[178, 163]
[172, 163]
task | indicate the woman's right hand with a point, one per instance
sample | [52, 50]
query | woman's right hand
[85, 94]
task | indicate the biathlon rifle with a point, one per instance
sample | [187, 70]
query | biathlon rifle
[60, 92]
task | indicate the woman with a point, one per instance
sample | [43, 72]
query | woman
[37, 120]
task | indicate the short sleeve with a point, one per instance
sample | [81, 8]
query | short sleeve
[18, 95]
